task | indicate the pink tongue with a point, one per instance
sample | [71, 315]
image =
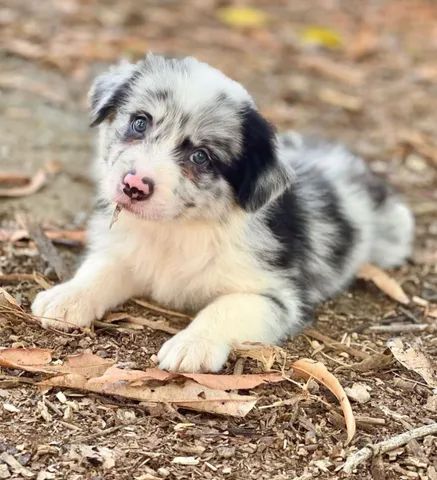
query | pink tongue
[136, 181]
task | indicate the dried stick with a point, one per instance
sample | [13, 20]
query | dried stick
[334, 345]
[382, 447]
[47, 250]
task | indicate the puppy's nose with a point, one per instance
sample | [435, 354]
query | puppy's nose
[136, 187]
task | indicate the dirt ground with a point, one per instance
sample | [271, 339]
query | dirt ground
[363, 73]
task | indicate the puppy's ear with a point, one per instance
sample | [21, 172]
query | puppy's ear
[108, 91]
[262, 176]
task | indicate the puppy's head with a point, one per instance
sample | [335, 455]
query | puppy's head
[179, 139]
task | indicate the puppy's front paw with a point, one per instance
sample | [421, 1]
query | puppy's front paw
[64, 307]
[189, 351]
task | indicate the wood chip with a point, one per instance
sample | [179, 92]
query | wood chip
[16, 465]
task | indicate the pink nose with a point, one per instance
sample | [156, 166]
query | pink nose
[136, 187]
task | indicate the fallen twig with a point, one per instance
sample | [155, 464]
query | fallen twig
[11, 278]
[47, 250]
[335, 345]
[382, 447]
[399, 327]
[165, 311]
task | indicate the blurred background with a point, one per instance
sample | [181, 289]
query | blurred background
[363, 73]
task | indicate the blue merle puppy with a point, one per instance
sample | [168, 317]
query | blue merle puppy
[218, 214]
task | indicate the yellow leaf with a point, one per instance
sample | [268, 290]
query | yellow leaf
[241, 17]
[322, 36]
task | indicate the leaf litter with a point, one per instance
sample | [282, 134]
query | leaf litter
[195, 391]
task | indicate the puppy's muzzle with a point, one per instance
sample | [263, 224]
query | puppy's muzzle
[136, 187]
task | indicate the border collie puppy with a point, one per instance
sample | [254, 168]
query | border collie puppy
[219, 214]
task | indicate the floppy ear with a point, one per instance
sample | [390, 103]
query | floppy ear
[261, 176]
[108, 91]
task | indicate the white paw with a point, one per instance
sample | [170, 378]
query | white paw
[64, 307]
[190, 351]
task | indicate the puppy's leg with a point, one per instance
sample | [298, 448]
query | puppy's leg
[102, 282]
[205, 344]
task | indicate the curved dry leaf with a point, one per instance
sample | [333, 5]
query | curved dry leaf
[306, 368]
[35, 183]
[384, 282]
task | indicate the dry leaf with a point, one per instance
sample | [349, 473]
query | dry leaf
[196, 391]
[242, 17]
[321, 36]
[15, 179]
[331, 69]
[384, 282]
[267, 355]
[8, 300]
[340, 99]
[374, 362]
[413, 358]
[188, 395]
[38, 360]
[34, 184]
[64, 237]
[10, 309]
[307, 368]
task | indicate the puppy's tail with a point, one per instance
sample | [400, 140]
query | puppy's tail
[393, 230]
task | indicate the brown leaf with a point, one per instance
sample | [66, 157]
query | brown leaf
[10, 309]
[195, 391]
[8, 300]
[267, 355]
[34, 183]
[374, 362]
[29, 359]
[65, 237]
[38, 360]
[411, 356]
[129, 384]
[340, 99]
[384, 282]
[307, 368]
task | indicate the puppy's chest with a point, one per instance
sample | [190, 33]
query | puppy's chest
[187, 270]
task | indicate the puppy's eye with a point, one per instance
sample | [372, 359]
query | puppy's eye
[139, 124]
[199, 157]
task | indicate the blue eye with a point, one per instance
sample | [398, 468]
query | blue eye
[139, 124]
[199, 157]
